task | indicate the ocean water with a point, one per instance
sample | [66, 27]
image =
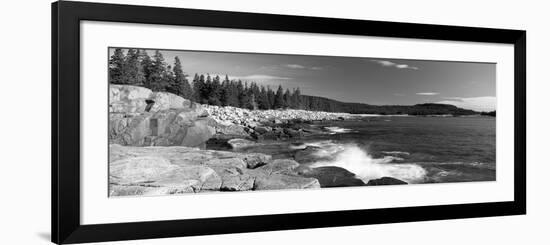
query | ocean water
[412, 149]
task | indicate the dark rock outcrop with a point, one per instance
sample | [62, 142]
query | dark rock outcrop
[386, 181]
[334, 177]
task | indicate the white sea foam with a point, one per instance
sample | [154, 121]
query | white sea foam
[359, 162]
[338, 130]
[317, 144]
[297, 146]
[396, 153]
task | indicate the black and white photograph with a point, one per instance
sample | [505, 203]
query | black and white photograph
[191, 121]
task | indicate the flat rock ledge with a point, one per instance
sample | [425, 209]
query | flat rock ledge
[150, 171]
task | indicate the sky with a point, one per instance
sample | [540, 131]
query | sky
[377, 81]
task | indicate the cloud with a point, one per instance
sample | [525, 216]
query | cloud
[295, 66]
[259, 77]
[427, 93]
[484, 103]
[387, 63]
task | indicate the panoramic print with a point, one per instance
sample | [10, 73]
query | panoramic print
[183, 122]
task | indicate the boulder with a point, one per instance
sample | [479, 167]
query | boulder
[130, 99]
[227, 163]
[254, 160]
[386, 181]
[198, 134]
[139, 169]
[231, 129]
[333, 177]
[279, 166]
[181, 127]
[158, 176]
[164, 101]
[281, 181]
[201, 177]
[128, 129]
[127, 98]
[140, 117]
[237, 183]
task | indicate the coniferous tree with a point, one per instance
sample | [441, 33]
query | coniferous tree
[296, 99]
[241, 93]
[207, 89]
[203, 90]
[263, 101]
[146, 65]
[181, 85]
[286, 98]
[246, 97]
[271, 97]
[214, 91]
[132, 70]
[233, 99]
[279, 98]
[116, 67]
[224, 92]
[253, 94]
[168, 80]
[197, 88]
[157, 77]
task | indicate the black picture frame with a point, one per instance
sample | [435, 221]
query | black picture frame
[66, 18]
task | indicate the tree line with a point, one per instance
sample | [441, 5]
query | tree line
[136, 67]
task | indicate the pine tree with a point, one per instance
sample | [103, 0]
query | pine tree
[253, 95]
[147, 66]
[296, 99]
[200, 89]
[225, 92]
[263, 101]
[197, 87]
[132, 70]
[279, 98]
[157, 77]
[181, 85]
[169, 80]
[286, 98]
[233, 98]
[214, 92]
[116, 67]
[271, 98]
[203, 92]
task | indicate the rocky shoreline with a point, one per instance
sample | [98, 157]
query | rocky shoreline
[260, 125]
[158, 146]
[178, 170]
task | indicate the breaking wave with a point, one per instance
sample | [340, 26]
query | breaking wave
[365, 167]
